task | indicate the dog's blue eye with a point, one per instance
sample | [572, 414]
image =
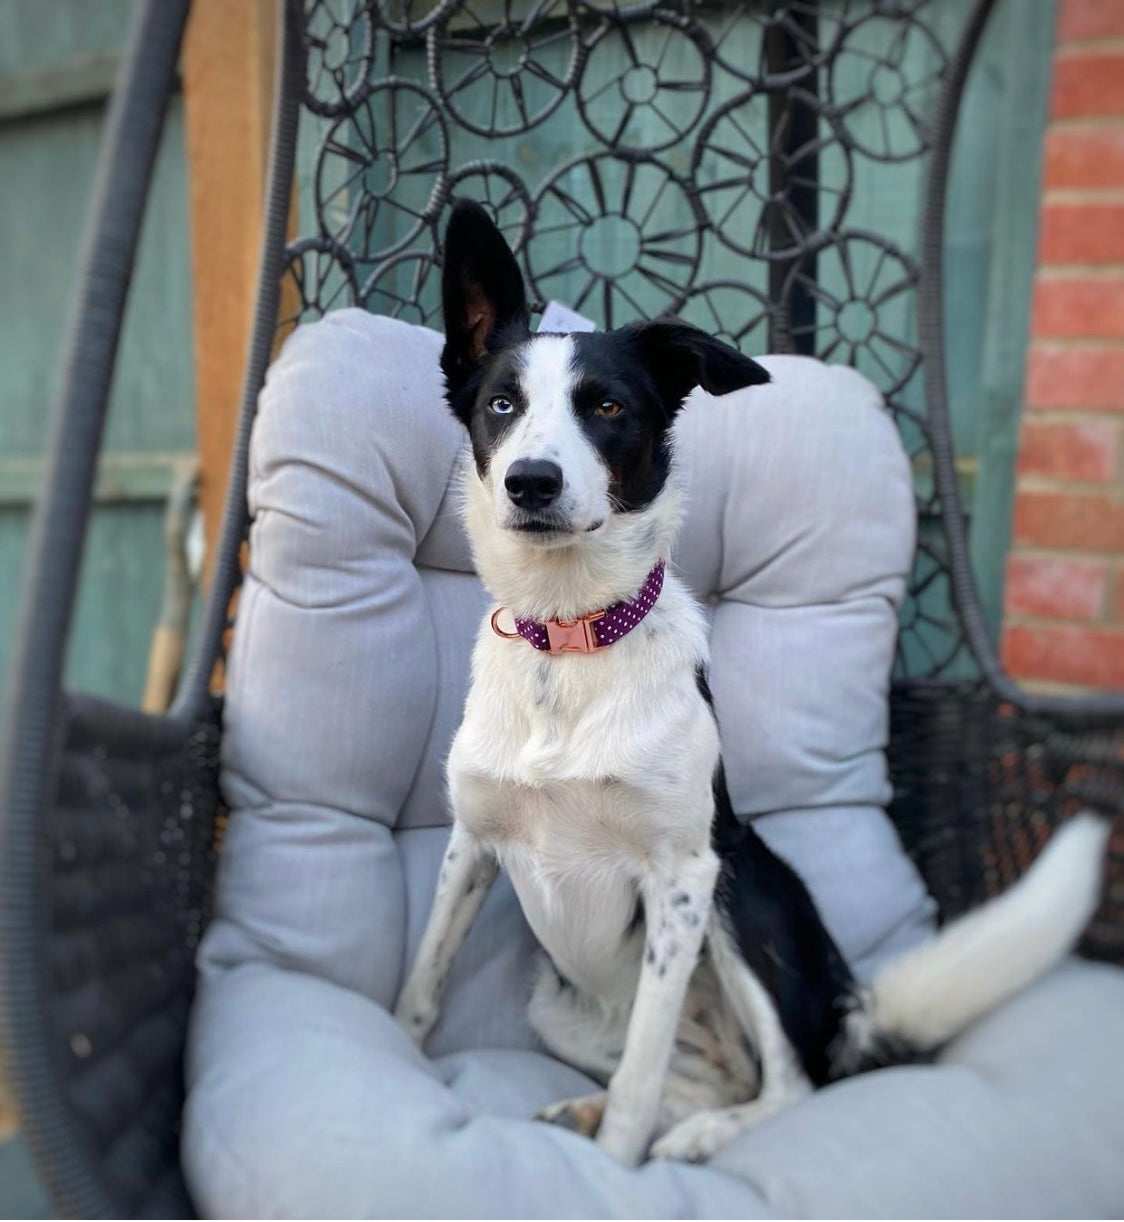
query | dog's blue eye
[501, 406]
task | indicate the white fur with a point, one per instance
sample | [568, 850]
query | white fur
[588, 777]
[467, 874]
[706, 1130]
[985, 957]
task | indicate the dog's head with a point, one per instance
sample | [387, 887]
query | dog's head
[568, 431]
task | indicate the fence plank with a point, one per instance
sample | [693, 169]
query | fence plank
[228, 67]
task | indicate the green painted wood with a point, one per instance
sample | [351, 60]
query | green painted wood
[121, 477]
[80, 81]
[123, 558]
[47, 159]
[47, 166]
[38, 33]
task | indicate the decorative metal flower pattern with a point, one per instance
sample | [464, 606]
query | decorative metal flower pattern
[802, 34]
[731, 310]
[502, 192]
[406, 18]
[322, 274]
[406, 286]
[881, 83]
[645, 85]
[862, 287]
[503, 73]
[771, 173]
[610, 236]
[378, 166]
[339, 45]
[727, 161]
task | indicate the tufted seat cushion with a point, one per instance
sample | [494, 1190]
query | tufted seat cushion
[345, 684]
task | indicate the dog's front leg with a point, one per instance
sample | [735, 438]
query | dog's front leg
[677, 908]
[467, 874]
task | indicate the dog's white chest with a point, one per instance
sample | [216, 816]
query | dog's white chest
[574, 851]
[584, 775]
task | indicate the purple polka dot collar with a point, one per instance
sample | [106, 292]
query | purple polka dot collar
[587, 633]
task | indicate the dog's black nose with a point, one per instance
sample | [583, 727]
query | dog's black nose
[533, 483]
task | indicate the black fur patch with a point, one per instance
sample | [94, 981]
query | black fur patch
[781, 937]
[498, 375]
[779, 932]
[483, 300]
[633, 444]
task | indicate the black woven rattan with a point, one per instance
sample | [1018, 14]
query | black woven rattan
[697, 157]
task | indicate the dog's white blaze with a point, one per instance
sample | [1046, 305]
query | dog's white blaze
[549, 430]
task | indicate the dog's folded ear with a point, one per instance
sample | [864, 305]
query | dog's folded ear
[482, 292]
[681, 357]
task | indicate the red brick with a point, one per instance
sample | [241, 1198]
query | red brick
[1081, 233]
[1054, 586]
[1090, 379]
[1082, 450]
[1116, 611]
[1078, 307]
[1076, 521]
[1116, 607]
[1064, 653]
[1079, 159]
[1087, 19]
[1086, 85]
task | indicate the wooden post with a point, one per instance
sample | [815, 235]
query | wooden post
[228, 70]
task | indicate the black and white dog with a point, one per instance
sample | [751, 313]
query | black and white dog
[686, 965]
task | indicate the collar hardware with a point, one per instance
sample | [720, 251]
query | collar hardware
[573, 635]
[586, 633]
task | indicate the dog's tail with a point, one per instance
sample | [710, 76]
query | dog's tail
[921, 1000]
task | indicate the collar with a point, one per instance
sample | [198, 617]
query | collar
[587, 633]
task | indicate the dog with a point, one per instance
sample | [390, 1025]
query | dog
[686, 966]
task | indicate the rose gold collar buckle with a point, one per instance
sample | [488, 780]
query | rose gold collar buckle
[573, 635]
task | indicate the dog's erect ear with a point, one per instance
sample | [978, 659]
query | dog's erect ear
[482, 291]
[681, 357]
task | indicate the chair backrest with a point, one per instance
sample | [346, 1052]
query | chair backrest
[759, 168]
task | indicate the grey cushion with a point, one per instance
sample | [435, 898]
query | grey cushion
[345, 684]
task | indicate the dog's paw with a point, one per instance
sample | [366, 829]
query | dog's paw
[700, 1136]
[582, 1115]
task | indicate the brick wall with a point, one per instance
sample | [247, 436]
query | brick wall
[1064, 601]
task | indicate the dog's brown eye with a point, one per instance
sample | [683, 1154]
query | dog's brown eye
[501, 406]
[609, 408]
